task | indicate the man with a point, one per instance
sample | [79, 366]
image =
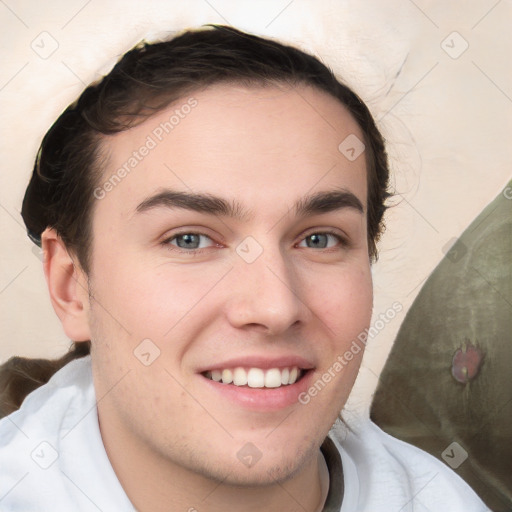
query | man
[210, 233]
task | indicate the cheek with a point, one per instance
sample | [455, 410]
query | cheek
[343, 301]
[167, 295]
[140, 300]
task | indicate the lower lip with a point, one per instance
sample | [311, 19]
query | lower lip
[262, 399]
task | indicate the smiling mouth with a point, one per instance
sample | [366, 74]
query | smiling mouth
[257, 377]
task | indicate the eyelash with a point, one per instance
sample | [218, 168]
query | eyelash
[343, 242]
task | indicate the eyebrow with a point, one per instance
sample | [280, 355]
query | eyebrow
[318, 203]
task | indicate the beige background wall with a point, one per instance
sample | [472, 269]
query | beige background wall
[435, 74]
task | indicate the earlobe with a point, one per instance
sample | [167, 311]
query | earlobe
[68, 287]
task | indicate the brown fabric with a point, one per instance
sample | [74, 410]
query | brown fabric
[449, 375]
[20, 376]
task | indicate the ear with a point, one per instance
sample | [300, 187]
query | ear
[68, 286]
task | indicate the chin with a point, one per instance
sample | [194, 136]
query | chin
[260, 475]
[264, 468]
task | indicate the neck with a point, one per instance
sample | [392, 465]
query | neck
[153, 482]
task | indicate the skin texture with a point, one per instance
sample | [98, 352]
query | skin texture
[170, 438]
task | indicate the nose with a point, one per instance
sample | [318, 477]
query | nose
[266, 295]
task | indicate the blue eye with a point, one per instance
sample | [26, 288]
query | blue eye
[322, 241]
[189, 241]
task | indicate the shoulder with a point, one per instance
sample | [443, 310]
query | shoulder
[44, 407]
[31, 438]
[380, 469]
[68, 387]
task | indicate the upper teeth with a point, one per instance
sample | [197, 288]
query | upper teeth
[256, 377]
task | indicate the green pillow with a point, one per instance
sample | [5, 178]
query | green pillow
[448, 378]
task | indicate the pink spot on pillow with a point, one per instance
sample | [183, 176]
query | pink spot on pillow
[466, 363]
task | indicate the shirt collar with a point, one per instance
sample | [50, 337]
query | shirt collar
[336, 484]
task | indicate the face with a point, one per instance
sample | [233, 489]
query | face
[233, 248]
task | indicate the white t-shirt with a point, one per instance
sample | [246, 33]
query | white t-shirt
[52, 459]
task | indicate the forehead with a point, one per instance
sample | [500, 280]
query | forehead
[258, 144]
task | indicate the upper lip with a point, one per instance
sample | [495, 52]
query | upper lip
[263, 362]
